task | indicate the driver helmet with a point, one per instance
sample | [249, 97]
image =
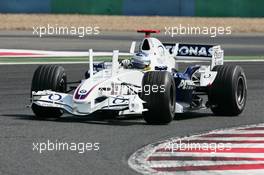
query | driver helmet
[141, 60]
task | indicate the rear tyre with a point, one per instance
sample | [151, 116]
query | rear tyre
[48, 77]
[159, 93]
[228, 93]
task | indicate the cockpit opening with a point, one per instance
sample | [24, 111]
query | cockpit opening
[145, 45]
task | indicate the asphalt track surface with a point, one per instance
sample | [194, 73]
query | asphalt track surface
[235, 44]
[118, 138]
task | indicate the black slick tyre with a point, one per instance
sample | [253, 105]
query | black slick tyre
[159, 93]
[228, 93]
[48, 77]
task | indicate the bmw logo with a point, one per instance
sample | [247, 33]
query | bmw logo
[83, 91]
[55, 97]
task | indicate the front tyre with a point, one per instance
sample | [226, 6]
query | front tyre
[159, 93]
[228, 93]
[48, 77]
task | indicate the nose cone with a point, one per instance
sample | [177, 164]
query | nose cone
[84, 91]
[81, 94]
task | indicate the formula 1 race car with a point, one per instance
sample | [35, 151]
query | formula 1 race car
[148, 83]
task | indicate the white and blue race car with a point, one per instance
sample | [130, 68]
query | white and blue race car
[149, 84]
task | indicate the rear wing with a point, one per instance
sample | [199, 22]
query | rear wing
[195, 52]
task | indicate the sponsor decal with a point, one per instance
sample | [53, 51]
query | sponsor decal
[192, 50]
[119, 99]
[186, 84]
[55, 97]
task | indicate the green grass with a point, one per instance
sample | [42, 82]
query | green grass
[86, 59]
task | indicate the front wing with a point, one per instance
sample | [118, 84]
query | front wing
[126, 104]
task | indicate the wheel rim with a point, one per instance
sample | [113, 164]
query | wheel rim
[240, 93]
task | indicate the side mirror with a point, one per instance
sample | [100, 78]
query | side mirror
[87, 74]
[132, 47]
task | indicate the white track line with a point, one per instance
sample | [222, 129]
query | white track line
[81, 62]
